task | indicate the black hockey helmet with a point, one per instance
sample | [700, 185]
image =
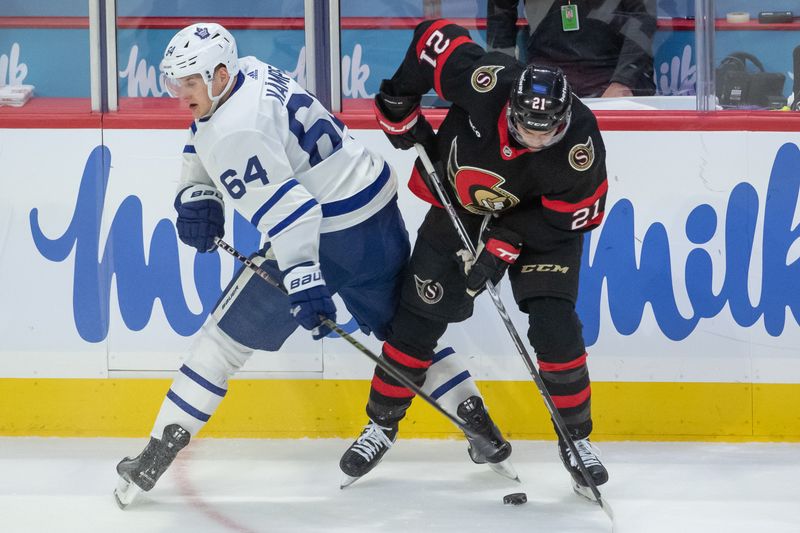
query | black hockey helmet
[541, 100]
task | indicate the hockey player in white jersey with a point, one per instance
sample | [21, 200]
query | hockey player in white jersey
[327, 206]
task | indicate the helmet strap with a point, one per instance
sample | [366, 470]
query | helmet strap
[216, 100]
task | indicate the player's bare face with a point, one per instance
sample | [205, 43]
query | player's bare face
[193, 93]
[536, 140]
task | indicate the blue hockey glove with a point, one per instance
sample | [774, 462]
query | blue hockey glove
[309, 298]
[201, 217]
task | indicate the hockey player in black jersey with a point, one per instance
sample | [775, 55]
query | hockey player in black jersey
[524, 164]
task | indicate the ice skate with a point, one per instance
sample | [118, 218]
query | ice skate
[473, 412]
[590, 455]
[366, 452]
[142, 472]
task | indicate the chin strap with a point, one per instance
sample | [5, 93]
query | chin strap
[217, 100]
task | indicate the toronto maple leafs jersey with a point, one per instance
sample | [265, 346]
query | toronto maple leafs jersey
[553, 193]
[285, 163]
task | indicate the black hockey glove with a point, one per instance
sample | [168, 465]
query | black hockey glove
[401, 120]
[498, 249]
[201, 217]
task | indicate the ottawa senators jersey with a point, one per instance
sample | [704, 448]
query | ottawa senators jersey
[486, 169]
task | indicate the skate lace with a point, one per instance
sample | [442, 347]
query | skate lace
[372, 440]
[587, 452]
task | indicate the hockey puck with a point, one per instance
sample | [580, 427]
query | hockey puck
[516, 498]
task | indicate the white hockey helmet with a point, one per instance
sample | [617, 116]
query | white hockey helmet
[199, 49]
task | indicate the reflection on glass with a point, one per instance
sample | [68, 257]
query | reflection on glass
[618, 54]
[45, 45]
[271, 30]
[753, 57]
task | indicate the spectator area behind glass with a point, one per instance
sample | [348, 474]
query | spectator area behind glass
[374, 37]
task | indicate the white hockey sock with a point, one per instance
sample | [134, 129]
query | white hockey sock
[202, 381]
[448, 381]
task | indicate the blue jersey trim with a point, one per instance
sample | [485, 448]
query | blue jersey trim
[180, 402]
[238, 83]
[450, 384]
[441, 354]
[189, 149]
[193, 127]
[300, 211]
[269, 204]
[203, 382]
[359, 199]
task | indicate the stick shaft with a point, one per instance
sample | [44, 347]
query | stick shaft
[396, 374]
[558, 422]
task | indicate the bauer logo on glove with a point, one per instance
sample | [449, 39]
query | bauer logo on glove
[201, 217]
[309, 298]
[307, 280]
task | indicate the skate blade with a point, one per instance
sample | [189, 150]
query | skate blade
[347, 481]
[505, 469]
[125, 493]
[584, 492]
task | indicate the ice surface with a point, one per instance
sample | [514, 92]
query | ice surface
[65, 485]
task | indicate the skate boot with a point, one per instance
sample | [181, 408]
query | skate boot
[590, 455]
[367, 451]
[497, 451]
[141, 473]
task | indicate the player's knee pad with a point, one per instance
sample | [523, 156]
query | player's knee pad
[202, 380]
[448, 381]
[254, 313]
[415, 333]
[555, 331]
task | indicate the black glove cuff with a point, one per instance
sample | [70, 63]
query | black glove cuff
[395, 108]
[502, 234]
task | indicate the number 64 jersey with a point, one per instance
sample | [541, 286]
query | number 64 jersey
[286, 163]
[545, 196]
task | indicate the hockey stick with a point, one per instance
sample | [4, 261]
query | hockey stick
[483, 444]
[561, 427]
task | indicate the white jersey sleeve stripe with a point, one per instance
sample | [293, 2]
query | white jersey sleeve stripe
[358, 200]
[299, 212]
[274, 199]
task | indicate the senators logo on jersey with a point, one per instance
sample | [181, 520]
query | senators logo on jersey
[484, 78]
[428, 290]
[478, 190]
[581, 156]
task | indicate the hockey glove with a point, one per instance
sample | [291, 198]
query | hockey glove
[401, 120]
[498, 249]
[201, 217]
[309, 298]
